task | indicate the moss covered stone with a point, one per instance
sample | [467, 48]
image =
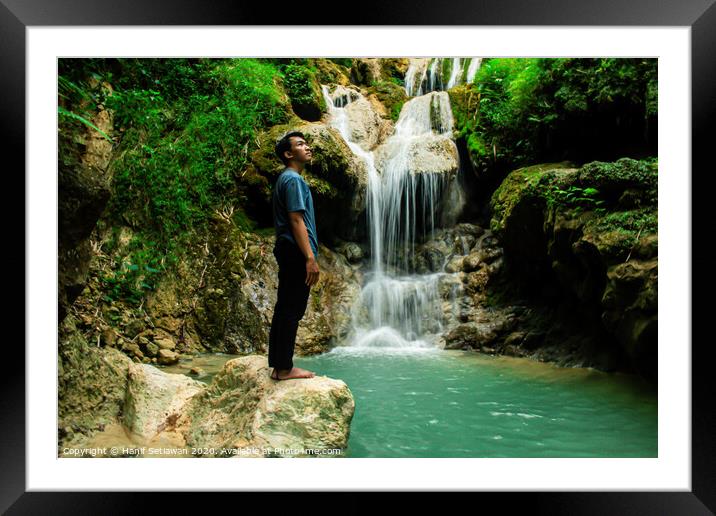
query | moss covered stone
[329, 71]
[304, 91]
[394, 68]
[593, 232]
[92, 383]
[391, 95]
[521, 184]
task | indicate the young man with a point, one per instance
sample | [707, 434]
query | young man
[295, 251]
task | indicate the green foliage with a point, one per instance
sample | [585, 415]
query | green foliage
[343, 61]
[574, 196]
[645, 220]
[179, 159]
[63, 112]
[519, 101]
[297, 81]
[508, 115]
[188, 127]
[138, 273]
[584, 84]
[301, 85]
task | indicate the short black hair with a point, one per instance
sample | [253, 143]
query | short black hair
[284, 144]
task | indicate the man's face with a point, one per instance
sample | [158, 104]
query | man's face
[300, 150]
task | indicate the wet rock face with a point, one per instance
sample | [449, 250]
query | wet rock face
[366, 71]
[83, 192]
[222, 299]
[600, 262]
[336, 177]
[91, 384]
[327, 318]
[365, 116]
[244, 408]
[630, 311]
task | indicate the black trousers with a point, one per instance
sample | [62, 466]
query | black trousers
[291, 303]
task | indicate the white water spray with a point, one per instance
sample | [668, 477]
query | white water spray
[428, 73]
[408, 181]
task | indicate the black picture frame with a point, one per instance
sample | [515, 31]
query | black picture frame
[699, 15]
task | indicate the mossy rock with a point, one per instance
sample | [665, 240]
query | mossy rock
[332, 175]
[391, 95]
[304, 91]
[328, 71]
[365, 71]
[613, 179]
[464, 100]
[619, 235]
[394, 68]
[331, 157]
[264, 160]
[522, 183]
[91, 384]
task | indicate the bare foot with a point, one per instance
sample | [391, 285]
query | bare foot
[287, 374]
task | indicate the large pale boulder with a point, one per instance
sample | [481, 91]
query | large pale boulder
[422, 141]
[244, 409]
[155, 400]
[363, 116]
[434, 154]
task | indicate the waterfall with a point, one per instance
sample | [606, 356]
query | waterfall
[472, 69]
[409, 178]
[403, 199]
[455, 72]
[427, 72]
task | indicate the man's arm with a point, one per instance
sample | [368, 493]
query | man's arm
[300, 233]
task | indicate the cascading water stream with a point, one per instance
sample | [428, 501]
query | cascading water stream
[397, 308]
[425, 74]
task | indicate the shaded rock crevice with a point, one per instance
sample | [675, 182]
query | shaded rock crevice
[593, 260]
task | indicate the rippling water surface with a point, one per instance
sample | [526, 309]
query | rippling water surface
[437, 403]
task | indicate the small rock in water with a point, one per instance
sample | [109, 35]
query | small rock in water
[196, 371]
[167, 357]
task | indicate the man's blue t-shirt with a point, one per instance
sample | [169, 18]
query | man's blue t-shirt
[291, 193]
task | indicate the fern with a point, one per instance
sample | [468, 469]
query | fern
[75, 116]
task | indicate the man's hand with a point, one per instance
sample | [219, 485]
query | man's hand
[300, 233]
[312, 271]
